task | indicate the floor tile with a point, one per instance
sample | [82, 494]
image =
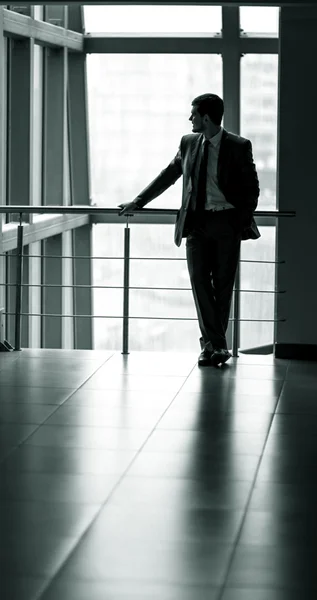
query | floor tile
[259, 359]
[15, 587]
[196, 563]
[36, 556]
[12, 412]
[298, 401]
[299, 387]
[268, 594]
[121, 398]
[50, 459]
[52, 487]
[89, 437]
[203, 420]
[63, 379]
[267, 566]
[59, 355]
[287, 468]
[299, 371]
[204, 443]
[12, 434]
[34, 395]
[188, 466]
[7, 358]
[242, 371]
[166, 523]
[194, 493]
[271, 496]
[130, 590]
[105, 380]
[295, 425]
[252, 387]
[66, 362]
[279, 528]
[156, 363]
[284, 445]
[37, 367]
[89, 416]
[45, 518]
[5, 451]
[219, 401]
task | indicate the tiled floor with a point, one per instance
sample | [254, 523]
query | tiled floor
[146, 478]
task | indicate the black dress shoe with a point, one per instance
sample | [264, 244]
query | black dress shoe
[220, 356]
[204, 359]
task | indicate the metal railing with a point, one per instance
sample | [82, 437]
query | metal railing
[93, 211]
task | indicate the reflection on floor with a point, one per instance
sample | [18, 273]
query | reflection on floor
[148, 478]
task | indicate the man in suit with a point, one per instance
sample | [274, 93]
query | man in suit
[220, 194]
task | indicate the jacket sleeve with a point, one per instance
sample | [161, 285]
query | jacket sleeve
[249, 181]
[248, 189]
[163, 181]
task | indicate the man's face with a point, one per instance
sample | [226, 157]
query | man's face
[198, 122]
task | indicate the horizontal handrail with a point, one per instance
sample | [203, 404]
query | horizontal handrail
[22, 224]
[22, 314]
[121, 287]
[90, 210]
[267, 262]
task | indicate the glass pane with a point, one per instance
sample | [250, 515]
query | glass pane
[259, 19]
[164, 336]
[108, 334]
[153, 19]
[159, 273]
[107, 242]
[259, 87]
[153, 241]
[257, 276]
[145, 334]
[167, 304]
[139, 106]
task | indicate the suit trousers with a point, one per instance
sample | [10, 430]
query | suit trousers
[212, 252]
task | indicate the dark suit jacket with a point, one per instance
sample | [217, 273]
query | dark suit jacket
[237, 179]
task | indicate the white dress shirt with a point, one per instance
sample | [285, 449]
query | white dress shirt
[215, 198]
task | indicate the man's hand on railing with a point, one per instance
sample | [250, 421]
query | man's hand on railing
[127, 208]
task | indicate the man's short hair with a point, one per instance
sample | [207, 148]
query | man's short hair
[211, 105]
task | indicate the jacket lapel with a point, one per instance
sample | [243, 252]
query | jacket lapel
[222, 158]
[194, 152]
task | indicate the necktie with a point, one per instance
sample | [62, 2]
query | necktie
[202, 179]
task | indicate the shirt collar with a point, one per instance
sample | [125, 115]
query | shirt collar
[216, 139]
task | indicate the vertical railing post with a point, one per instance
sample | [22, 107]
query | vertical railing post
[236, 313]
[18, 293]
[126, 289]
[275, 288]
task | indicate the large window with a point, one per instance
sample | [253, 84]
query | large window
[156, 313]
[139, 106]
[153, 19]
